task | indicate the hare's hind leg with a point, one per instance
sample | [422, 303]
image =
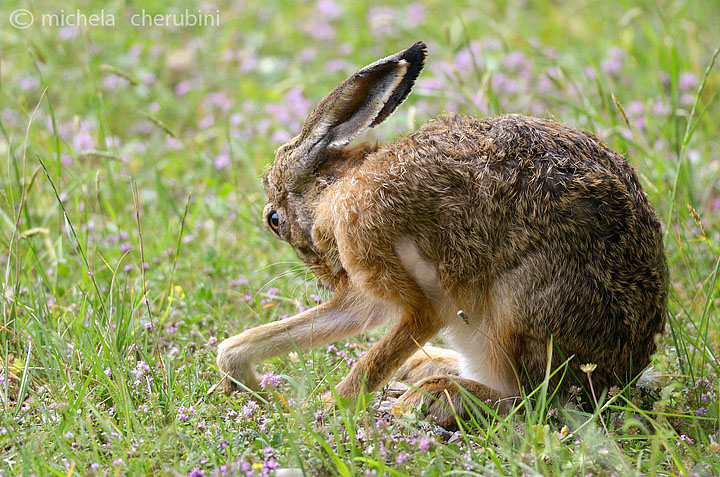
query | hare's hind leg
[429, 361]
[344, 315]
[444, 398]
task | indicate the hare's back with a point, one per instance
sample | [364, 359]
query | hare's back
[533, 147]
[531, 172]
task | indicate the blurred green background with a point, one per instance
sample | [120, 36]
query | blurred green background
[96, 380]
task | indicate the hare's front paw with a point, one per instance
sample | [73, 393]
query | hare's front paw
[235, 368]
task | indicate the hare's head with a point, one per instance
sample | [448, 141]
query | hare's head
[313, 159]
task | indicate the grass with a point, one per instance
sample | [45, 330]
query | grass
[132, 243]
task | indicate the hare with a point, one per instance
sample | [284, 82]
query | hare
[538, 232]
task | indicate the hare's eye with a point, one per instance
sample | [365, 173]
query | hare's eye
[273, 221]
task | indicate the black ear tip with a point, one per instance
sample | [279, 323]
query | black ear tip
[416, 53]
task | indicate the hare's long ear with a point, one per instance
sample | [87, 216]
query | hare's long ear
[363, 100]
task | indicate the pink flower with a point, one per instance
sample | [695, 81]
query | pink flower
[613, 63]
[182, 88]
[280, 137]
[270, 381]
[29, 82]
[687, 81]
[222, 162]
[67, 33]
[297, 103]
[381, 21]
[206, 122]
[248, 408]
[329, 9]
[415, 14]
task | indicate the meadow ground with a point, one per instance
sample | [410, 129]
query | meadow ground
[131, 158]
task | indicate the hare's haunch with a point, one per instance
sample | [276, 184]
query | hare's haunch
[537, 231]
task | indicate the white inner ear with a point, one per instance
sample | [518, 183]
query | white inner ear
[362, 118]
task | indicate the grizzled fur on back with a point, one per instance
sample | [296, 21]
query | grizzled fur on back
[545, 208]
[537, 231]
[555, 213]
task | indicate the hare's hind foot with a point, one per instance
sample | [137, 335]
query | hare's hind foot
[429, 361]
[445, 401]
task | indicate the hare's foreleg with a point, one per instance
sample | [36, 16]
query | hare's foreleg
[342, 316]
[447, 396]
[388, 354]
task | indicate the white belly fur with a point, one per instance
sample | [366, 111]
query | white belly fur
[480, 343]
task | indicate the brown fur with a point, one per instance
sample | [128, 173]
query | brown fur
[429, 361]
[444, 399]
[536, 230]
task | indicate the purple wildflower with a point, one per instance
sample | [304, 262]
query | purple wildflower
[182, 88]
[196, 473]
[337, 64]
[222, 161]
[206, 122]
[270, 380]
[28, 83]
[319, 29]
[687, 81]
[66, 33]
[515, 61]
[297, 103]
[280, 137]
[235, 119]
[686, 438]
[329, 9]
[415, 14]
[613, 63]
[248, 408]
[381, 21]
[241, 280]
[635, 108]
